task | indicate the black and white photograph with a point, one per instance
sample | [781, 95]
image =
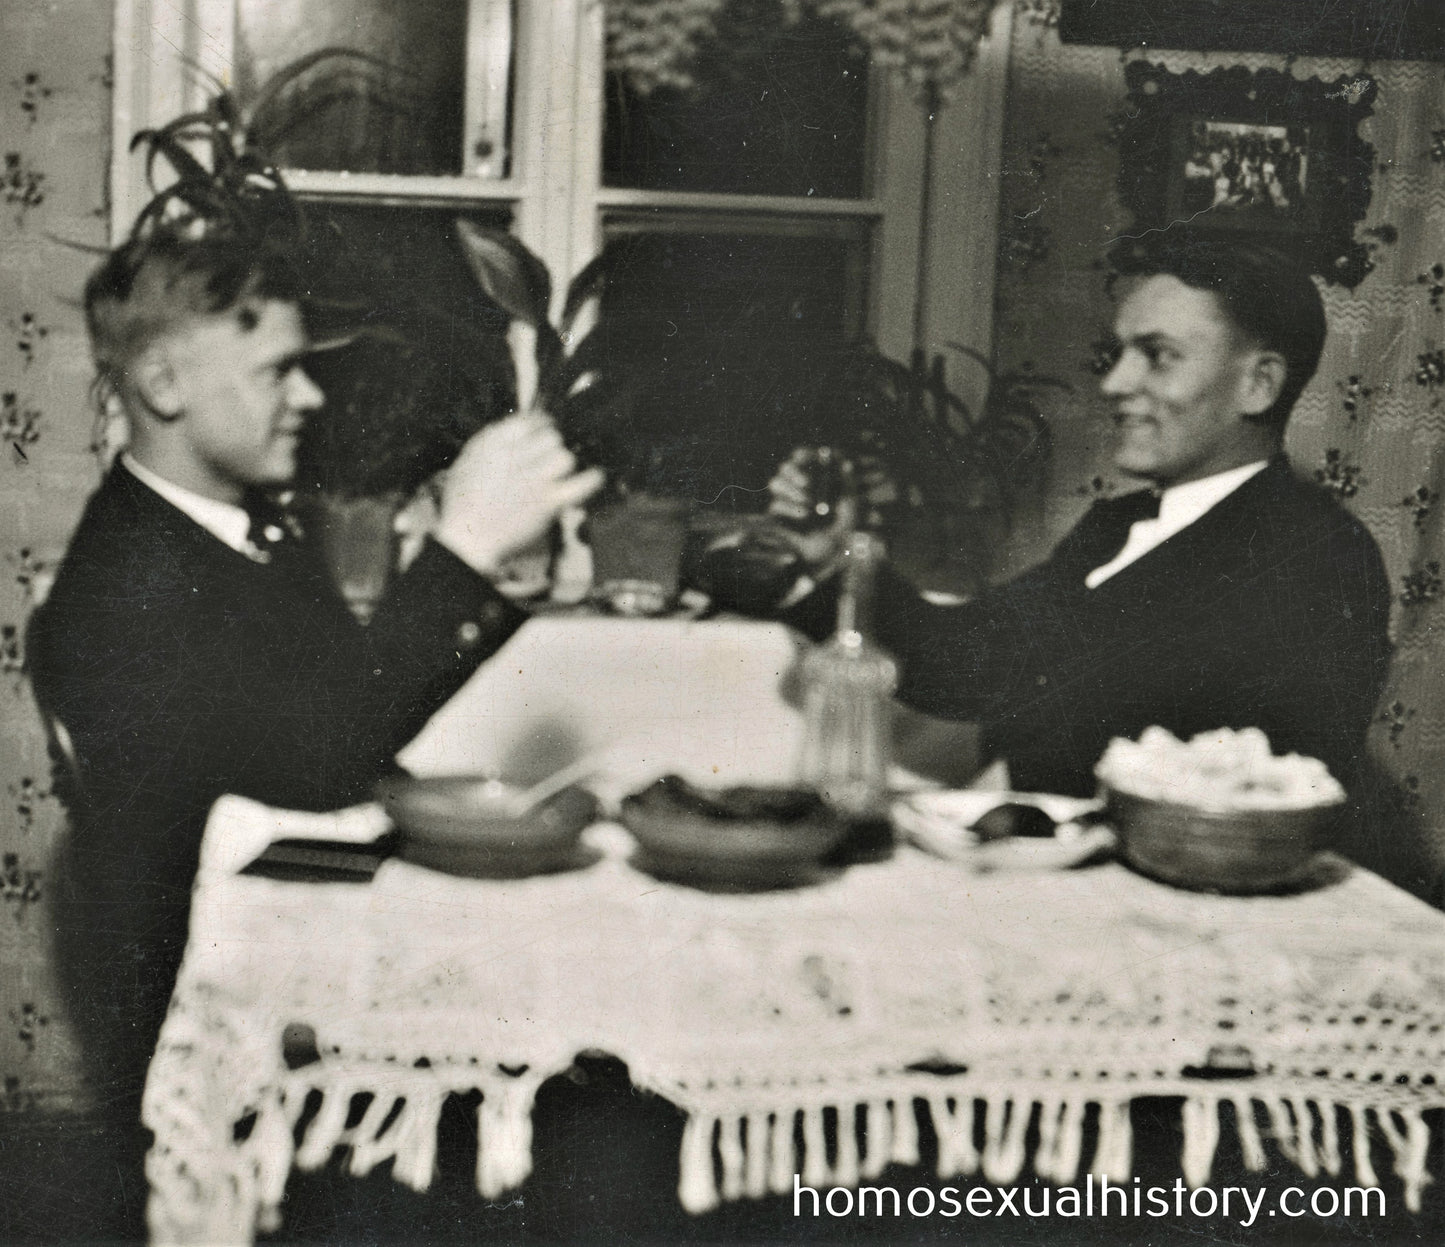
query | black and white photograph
[722, 622]
[1234, 169]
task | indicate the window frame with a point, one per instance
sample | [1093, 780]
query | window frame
[166, 51]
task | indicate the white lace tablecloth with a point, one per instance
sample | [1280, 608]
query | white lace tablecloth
[903, 987]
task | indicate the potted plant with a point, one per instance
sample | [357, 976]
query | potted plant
[946, 477]
[397, 409]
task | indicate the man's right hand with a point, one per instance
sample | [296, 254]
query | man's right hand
[791, 489]
[506, 487]
[793, 500]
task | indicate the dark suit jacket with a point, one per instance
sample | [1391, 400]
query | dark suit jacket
[1271, 611]
[184, 670]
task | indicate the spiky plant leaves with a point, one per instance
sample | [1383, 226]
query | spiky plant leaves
[508, 272]
[167, 142]
[275, 87]
[513, 278]
[590, 284]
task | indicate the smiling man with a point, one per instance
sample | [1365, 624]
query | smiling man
[194, 644]
[1229, 593]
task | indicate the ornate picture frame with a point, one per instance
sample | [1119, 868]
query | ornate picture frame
[1262, 153]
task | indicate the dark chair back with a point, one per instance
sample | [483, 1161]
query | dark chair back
[68, 779]
[67, 773]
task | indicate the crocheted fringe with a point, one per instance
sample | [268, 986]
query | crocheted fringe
[731, 1157]
[749, 1155]
[207, 1185]
[247, 1180]
[397, 1127]
[761, 1152]
[504, 1134]
[1307, 1133]
[402, 1127]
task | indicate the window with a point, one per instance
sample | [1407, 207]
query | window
[782, 194]
[402, 113]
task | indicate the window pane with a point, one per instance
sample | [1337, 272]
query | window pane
[399, 113]
[776, 109]
[736, 336]
[431, 365]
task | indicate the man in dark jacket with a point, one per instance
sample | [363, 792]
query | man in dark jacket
[194, 645]
[1229, 594]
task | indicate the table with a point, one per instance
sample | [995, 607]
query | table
[890, 992]
[981, 999]
[712, 700]
[707, 699]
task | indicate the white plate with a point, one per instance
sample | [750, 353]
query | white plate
[942, 823]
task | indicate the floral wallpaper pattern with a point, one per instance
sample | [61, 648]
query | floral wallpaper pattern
[54, 139]
[1371, 426]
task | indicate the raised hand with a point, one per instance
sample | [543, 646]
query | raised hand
[506, 487]
[795, 500]
[791, 488]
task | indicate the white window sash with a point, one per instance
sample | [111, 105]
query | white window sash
[169, 54]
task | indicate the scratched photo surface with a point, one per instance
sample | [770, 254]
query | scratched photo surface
[865, 238]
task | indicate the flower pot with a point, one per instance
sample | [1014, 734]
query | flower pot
[359, 542]
[637, 553]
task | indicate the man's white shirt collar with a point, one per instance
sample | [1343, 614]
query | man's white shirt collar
[223, 520]
[1179, 507]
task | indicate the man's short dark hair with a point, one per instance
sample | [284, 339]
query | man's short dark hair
[1268, 297]
[154, 284]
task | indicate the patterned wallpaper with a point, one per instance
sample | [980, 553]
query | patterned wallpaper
[1371, 426]
[54, 139]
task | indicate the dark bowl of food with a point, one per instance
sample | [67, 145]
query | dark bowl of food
[1233, 851]
[475, 826]
[744, 837]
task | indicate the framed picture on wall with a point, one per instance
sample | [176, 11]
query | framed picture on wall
[1241, 152]
[1245, 175]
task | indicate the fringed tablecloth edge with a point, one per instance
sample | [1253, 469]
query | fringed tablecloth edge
[749, 1143]
[733, 1150]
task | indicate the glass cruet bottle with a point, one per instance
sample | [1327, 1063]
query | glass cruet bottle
[847, 685]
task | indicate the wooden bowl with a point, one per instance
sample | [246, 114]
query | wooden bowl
[466, 825]
[1238, 852]
[738, 837]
